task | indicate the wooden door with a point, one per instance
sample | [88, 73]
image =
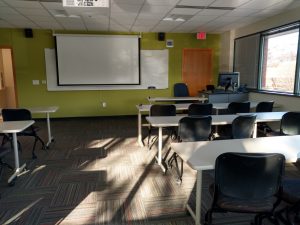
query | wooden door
[197, 69]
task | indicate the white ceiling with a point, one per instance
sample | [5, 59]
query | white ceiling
[141, 15]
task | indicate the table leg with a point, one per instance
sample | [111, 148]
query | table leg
[140, 142]
[198, 197]
[255, 131]
[18, 169]
[159, 153]
[197, 213]
[50, 138]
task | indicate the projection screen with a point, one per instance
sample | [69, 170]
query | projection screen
[97, 60]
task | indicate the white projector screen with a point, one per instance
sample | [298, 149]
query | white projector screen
[97, 60]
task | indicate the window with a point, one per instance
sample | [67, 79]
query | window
[278, 62]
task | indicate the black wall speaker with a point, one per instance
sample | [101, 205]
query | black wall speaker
[161, 36]
[28, 33]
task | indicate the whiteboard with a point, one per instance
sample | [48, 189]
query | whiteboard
[154, 73]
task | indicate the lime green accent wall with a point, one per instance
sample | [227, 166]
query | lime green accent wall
[29, 63]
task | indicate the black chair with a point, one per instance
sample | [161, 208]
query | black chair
[181, 90]
[19, 115]
[291, 195]
[161, 110]
[3, 152]
[200, 109]
[241, 127]
[190, 129]
[264, 107]
[210, 87]
[238, 107]
[247, 183]
[290, 125]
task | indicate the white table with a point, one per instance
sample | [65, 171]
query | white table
[177, 99]
[14, 127]
[47, 110]
[172, 121]
[146, 108]
[202, 155]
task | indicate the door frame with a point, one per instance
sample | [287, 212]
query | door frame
[13, 71]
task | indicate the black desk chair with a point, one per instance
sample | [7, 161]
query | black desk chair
[289, 125]
[200, 109]
[19, 115]
[161, 110]
[238, 107]
[241, 127]
[190, 129]
[289, 215]
[247, 183]
[181, 90]
[264, 107]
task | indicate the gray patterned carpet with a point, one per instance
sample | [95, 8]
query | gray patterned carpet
[95, 173]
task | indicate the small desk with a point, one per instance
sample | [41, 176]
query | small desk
[173, 121]
[14, 127]
[175, 99]
[47, 110]
[202, 155]
[184, 106]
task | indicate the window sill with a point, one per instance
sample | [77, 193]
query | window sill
[274, 93]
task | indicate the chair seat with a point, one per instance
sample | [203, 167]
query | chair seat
[240, 205]
[4, 151]
[291, 190]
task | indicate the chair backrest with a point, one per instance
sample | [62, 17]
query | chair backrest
[16, 114]
[163, 110]
[265, 106]
[239, 107]
[194, 128]
[243, 126]
[181, 90]
[290, 123]
[210, 87]
[249, 175]
[200, 109]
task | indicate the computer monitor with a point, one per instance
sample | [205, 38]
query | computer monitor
[227, 79]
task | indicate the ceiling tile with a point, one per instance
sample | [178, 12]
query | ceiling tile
[212, 12]
[95, 27]
[143, 22]
[36, 12]
[132, 2]
[242, 12]
[161, 2]
[49, 25]
[155, 9]
[281, 5]
[41, 18]
[200, 17]
[196, 2]
[24, 4]
[10, 17]
[126, 19]
[7, 10]
[229, 3]
[259, 4]
[141, 28]
[52, 5]
[117, 27]
[125, 8]
[150, 16]
[24, 24]
[2, 4]
[184, 11]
